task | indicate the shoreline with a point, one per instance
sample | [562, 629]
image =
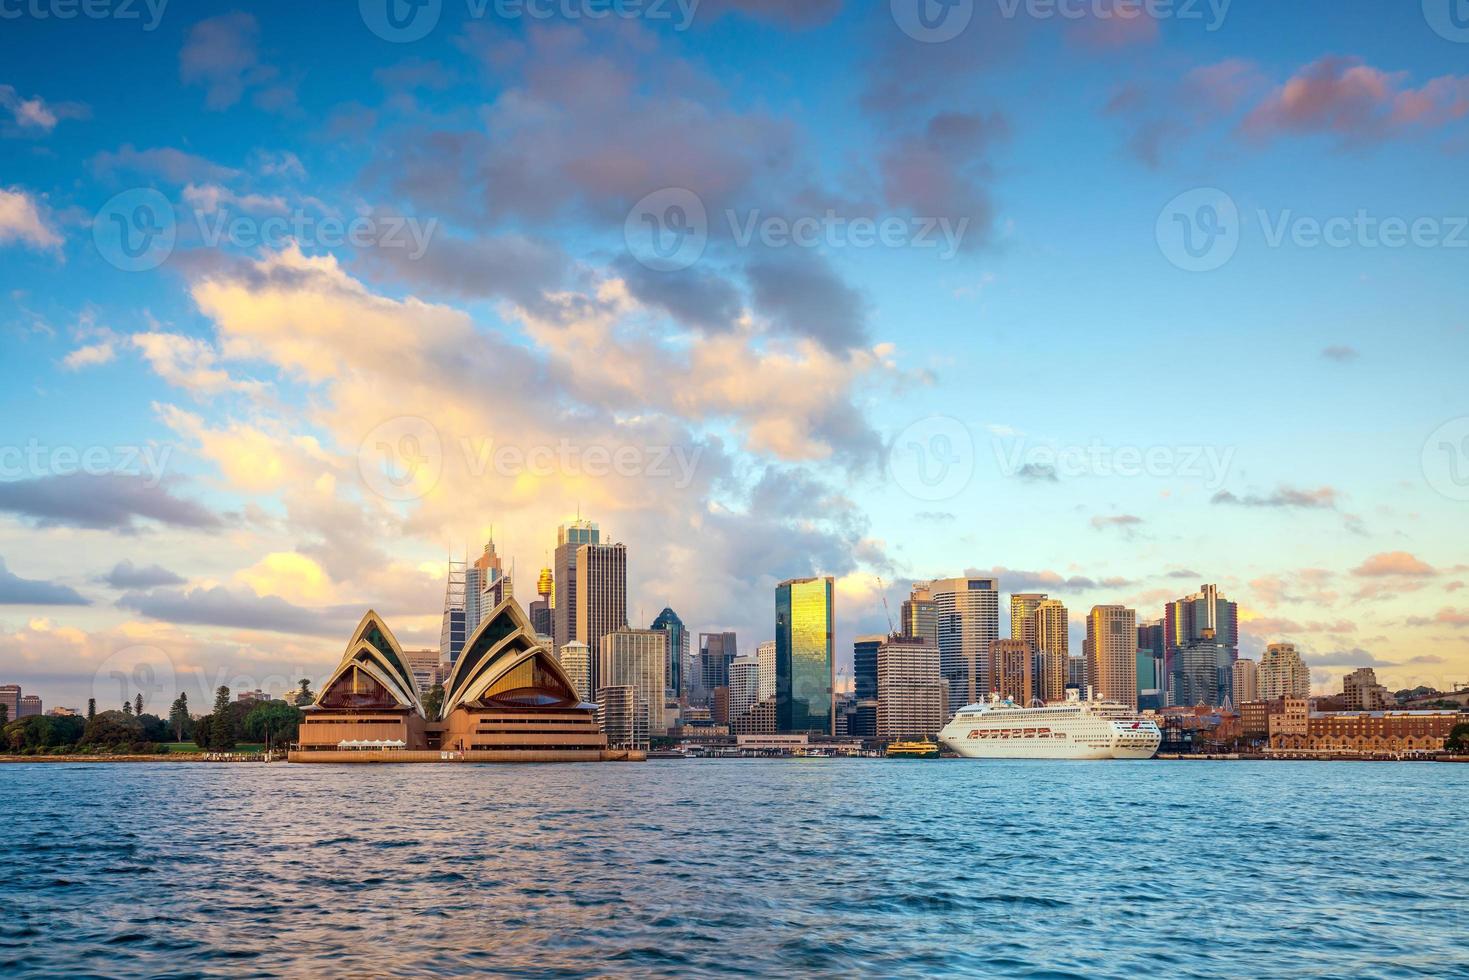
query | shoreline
[199, 757]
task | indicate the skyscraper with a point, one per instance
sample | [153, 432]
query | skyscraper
[1111, 654]
[601, 599]
[864, 666]
[452, 630]
[10, 699]
[921, 614]
[1022, 612]
[805, 655]
[716, 652]
[911, 701]
[1246, 685]
[1187, 621]
[1042, 623]
[576, 660]
[569, 537]
[678, 649]
[744, 686]
[1283, 674]
[765, 653]
[1011, 670]
[968, 622]
[1152, 681]
[638, 659]
[485, 587]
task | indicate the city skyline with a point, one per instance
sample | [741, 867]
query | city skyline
[398, 298]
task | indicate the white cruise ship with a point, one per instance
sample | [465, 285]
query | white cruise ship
[1071, 729]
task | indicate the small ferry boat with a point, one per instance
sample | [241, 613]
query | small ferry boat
[912, 750]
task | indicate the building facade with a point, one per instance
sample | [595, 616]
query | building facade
[638, 659]
[1204, 618]
[920, 614]
[575, 658]
[864, 666]
[30, 705]
[912, 701]
[765, 653]
[601, 596]
[744, 687]
[10, 699]
[678, 650]
[1111, 654]
[1245, 684]
[1012, 670]
[805, 655]
[716, 652]
[1368, 733]
[1283, 674]
[569, 538]
[968, 622]
[1362, 692]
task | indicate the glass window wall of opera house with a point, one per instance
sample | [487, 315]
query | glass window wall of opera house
[506, 699]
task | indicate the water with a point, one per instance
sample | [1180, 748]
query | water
[758, 868]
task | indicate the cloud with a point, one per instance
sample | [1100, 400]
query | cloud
[1341, 354]
[1037, 473]
[101, 502]
[17, 591]
[1324, 498]
[221, 55]
[1019, 580]
[1126, 523]
[22, 222]
[1267, 627]
[91, 355]
[126, 575]
[34, 116]
[1356, 102]
[237, 609]
[172, 165]
[1355, 657]
[696, 296]
[787, 13]
[188, 363]
[1161, 117]
[1394, 563]
[510, 266]
[804, 297]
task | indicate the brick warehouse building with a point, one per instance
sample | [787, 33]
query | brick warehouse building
[1369, 732]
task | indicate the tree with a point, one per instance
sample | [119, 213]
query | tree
[91, 708]
[138, 705]
[204, 732]
[272, 722]
[433, 701]
[1458, 740]
[111, 730]
[4, 714]
[304, 696]
[178, 716]
[222, 737]
[127, 708]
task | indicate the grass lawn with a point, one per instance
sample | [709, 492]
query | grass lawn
[191, 747]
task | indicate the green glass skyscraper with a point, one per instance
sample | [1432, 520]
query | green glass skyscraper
[805, 656]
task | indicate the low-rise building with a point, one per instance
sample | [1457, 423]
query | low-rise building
[1368, 733]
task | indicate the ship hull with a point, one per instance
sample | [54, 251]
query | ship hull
[1070, 732]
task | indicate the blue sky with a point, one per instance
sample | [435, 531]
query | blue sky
[1324, 382]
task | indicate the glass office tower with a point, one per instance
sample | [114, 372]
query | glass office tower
[805, 656]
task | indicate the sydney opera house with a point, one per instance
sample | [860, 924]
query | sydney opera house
[507, 699]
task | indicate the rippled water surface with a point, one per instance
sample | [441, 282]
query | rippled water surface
[737, 867]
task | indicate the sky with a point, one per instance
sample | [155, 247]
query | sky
[1107, 299]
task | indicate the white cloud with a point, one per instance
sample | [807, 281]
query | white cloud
[22, 221]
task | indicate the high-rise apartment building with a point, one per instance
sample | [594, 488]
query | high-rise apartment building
[622, 714]
[1011, 662]
[921, 614]
[638, 659]
[765, 653]
[968, 622]
[1363, 693]
[569, 537]
[1283, 674]
[805, 656]
[601, 598]
[912, 701]
[575, 658]
[1111, 654]
[678, 650]
[1043, 623]
[1022, 608]
[30, 705]
[744, 686]
[1246, 682]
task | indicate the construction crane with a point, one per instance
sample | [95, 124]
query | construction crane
[884, 592]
